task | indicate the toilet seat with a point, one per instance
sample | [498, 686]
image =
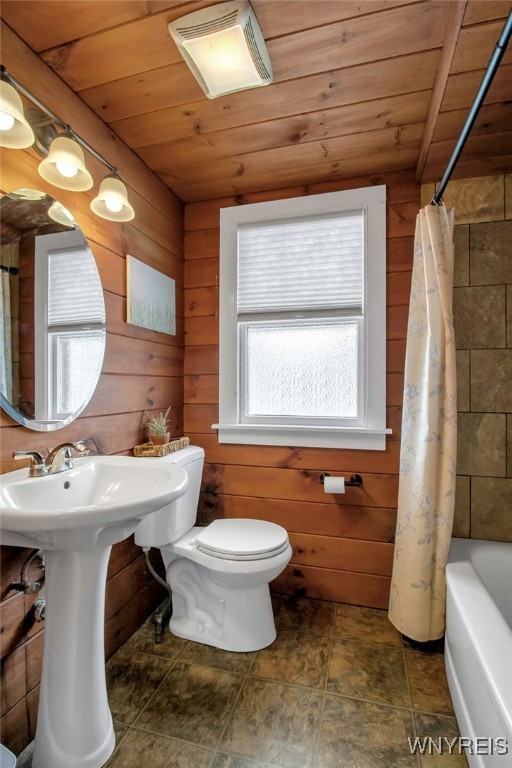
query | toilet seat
[241, 539]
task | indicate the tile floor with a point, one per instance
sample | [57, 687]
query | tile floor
[339, 688]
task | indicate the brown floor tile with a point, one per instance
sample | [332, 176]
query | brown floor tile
[303, 614]
[192, 704]
[216, 658]
[427, 681]
[132, 679]
[232, 761]
[294, 657]
[368, 672]
[144, 641]
[147, 749]
[357, 734]
[275, 723]
[120, 730]
[369, 625]
[439, 727]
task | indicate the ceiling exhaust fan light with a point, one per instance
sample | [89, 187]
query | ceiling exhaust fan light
[224, 61]
[65, 165]
[224, 47]
[15, 132]
[111, 202]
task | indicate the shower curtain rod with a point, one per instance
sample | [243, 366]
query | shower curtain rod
[493, 65]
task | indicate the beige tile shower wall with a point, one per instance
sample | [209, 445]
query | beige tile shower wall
[483, 331]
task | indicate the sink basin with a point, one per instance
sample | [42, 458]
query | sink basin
[96, 503]
[75, 516]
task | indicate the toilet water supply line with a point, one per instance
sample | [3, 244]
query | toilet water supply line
[163, 613]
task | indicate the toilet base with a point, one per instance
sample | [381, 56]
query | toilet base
[209, 612]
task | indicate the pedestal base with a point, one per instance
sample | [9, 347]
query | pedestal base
[74, 726]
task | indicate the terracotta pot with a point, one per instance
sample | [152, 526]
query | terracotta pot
[160, 439]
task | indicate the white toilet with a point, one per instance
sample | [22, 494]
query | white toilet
[219, 575]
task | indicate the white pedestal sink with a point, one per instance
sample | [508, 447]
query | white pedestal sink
[75, 517]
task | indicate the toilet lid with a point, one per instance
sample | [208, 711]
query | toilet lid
[242, 539]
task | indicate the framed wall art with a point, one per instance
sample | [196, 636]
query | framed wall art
[151, 297]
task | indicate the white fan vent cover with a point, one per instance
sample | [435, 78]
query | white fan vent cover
[216, 18]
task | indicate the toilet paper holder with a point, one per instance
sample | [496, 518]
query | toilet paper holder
[355, 481]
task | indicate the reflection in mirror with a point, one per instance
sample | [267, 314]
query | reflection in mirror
[52, 313]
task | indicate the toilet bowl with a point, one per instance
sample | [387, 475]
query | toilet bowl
[219, 574]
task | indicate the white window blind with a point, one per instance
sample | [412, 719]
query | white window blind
[314, 262]
[75, 296]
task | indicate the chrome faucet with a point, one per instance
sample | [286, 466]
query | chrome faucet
[57, 460]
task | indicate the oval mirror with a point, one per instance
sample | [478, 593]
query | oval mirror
[52, 313]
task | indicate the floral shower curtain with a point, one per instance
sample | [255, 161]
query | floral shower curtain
[429, 436]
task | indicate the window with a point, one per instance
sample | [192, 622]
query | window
[302, 321]
[69, 325]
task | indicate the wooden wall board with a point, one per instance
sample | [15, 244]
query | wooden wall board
[142, 369]
[53, 25]
[348, 120]
[335, 88]
[99, 58]
[315, 459]
[334, 537]
[14, 727]
[341, 521]
[342, 554]
[401, 187]
[349, 69]
[338, 585]
[394, 160]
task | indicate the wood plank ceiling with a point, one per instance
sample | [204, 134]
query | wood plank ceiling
[360, 87]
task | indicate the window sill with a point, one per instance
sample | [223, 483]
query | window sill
[354, 438]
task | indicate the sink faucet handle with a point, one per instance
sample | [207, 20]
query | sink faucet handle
[35, 457]
[37, 463]
[80, 447]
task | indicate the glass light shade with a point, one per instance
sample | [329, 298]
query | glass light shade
[111, 202]
[17, 133]
[224, 61]
[66, 154]
[61, 215]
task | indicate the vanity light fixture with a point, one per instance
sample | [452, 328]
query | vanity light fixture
[111, 201]
[61, 215]
[224, 47]
[15, 132]
[63, 163]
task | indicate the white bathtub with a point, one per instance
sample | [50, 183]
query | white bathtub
[479, 646]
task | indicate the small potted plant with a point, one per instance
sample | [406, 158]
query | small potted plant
[158, 427]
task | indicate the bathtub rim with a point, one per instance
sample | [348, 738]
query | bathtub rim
[466, 588]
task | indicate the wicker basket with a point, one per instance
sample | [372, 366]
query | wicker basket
[148, 449]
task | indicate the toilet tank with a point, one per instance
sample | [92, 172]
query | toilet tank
[172, 521]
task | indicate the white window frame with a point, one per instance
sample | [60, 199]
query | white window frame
[369, 435]
[47, 380]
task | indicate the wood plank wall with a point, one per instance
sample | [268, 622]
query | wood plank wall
[342, 545]
[142, 369]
